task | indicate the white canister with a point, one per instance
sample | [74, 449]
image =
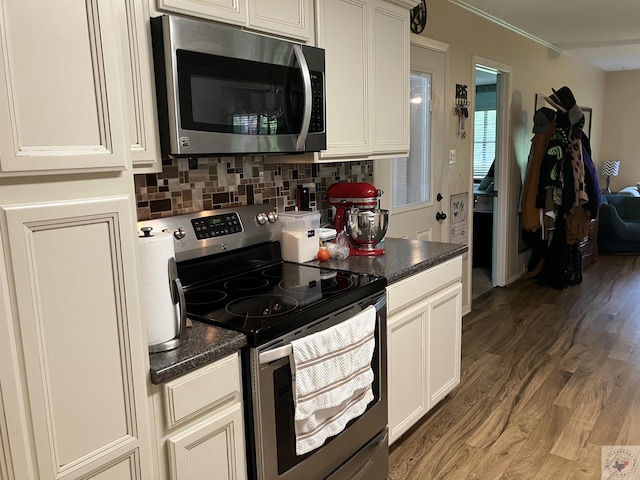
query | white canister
[299, 236]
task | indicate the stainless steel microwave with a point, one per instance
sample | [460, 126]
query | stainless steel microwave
[222, 90]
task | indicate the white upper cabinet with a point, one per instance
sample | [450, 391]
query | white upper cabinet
[291, 18]
[367, 78]
[344, 31]
[139, 87]
[390, 126]
[227, 11]
[60, 88]
[286, 18]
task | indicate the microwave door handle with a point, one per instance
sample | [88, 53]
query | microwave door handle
[306, 79]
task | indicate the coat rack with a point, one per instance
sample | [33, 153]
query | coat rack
[461, 110]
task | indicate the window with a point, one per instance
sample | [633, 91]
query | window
[411, 174]
[484, 126]
[484, 142]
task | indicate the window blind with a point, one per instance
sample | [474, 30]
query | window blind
[411, 174]
[484, 142]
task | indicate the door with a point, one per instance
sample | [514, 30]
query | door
[412, 184]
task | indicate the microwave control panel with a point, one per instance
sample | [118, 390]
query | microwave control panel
[317, 103]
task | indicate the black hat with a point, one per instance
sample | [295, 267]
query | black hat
[562, 99]
[542, 119]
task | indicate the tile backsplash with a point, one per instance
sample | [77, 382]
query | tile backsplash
[191, 185]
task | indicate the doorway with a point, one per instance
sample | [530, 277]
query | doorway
[484, 155]
[490, 171]
[412, 184]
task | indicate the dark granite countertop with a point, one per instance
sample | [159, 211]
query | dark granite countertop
[402, 258]
[205, 344]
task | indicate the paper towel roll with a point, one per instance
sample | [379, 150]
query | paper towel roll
[160, 312]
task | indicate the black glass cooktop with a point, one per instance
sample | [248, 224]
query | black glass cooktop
[266, 302]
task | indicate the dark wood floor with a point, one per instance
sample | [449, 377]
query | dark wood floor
[548, 378]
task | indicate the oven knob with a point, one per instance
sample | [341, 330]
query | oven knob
[261, 218]
[179, 233]
[272, 216]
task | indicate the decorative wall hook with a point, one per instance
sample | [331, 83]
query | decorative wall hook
[461, 91]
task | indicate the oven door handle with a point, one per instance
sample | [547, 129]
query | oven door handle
[275, 354]
[380, 304]
[286, 350]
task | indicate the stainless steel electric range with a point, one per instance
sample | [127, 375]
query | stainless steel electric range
[230, 266]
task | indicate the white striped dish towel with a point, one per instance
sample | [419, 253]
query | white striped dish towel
[333, 377]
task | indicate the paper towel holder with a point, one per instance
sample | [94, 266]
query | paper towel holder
[177, 296]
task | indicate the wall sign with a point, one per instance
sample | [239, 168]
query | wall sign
[459, 209]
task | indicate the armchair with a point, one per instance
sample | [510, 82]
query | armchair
[619, 224]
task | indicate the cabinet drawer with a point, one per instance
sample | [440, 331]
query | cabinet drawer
[198, 391]
[412, 289]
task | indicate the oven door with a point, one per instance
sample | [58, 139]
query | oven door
[359, 451]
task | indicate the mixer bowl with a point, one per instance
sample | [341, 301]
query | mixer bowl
[366, 228]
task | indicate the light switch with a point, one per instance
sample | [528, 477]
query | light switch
[452, 157]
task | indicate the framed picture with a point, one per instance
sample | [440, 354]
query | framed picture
[587, 121]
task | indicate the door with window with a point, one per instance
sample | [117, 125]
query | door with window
[412, 184]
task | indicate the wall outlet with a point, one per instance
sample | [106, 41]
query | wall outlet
[452, 157]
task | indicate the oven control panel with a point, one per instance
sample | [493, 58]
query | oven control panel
[217, 225]
[210, 232]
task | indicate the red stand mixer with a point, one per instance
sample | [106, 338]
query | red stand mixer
[358, 215]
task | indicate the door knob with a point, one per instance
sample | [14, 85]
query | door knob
[441, 216]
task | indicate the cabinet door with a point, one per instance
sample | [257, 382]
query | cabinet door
[407, 367]
[77, 337]
[390, 79]
[444, 336]
[344, 31]
[60, 88]
[213, 445]
[228, 11]
[291, 18]
[14, 454]
[139, 87]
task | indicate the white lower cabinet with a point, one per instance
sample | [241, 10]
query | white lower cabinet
[72, 365]
[424, 328]
[200, 425]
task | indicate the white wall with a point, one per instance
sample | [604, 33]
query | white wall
[534, 69]
[621, 127]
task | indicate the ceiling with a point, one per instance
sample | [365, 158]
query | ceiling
[606, 33]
